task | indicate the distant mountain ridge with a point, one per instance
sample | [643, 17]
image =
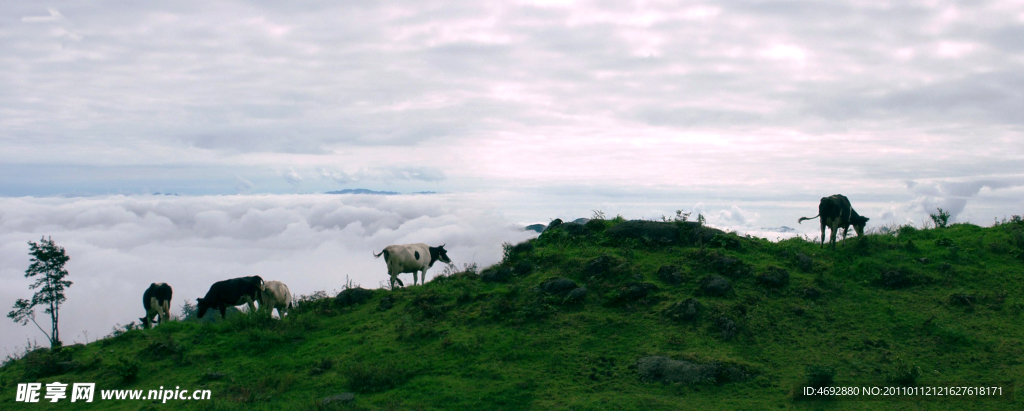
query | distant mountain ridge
[373, 192]
[541, 227]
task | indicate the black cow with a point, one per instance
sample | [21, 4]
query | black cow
[157, 301]
[835, 212]
[236, 291]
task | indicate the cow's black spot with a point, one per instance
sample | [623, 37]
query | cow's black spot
[417, 255]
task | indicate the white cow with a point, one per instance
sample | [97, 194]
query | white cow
[412, 258]
[276, 295]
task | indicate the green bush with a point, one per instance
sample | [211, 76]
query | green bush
[375, 377]
[903, 372]
[127, 369]
[819, 376]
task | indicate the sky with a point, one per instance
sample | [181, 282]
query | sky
[747, 112]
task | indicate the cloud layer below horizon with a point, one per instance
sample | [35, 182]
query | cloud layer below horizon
[119, 245]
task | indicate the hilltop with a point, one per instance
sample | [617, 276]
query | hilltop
[608, 314]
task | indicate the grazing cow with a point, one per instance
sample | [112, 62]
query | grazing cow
[276, 295]
[835, 212]
[157, 302]
[236, 291]
[412, 258]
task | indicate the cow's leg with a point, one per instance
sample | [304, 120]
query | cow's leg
[832, 237]
[223, 311]
[161, 312]
[167, 311]
[823, 224]
[414, 275]
[250, 302]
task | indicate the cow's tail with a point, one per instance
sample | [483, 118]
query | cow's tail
[383, 252]
[801, 220]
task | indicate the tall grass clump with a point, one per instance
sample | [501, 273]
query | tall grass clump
[376, 376]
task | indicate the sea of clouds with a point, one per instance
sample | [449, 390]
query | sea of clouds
[120, 244]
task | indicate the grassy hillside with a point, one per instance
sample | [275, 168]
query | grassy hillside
[607, 315]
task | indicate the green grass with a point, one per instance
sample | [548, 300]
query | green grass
[919, 307]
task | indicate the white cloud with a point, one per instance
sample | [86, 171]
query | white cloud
[53, 16]
[952, 195]
[736, 216]
[118, 245]
[293, 178]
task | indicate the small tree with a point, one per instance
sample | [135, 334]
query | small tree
[941, 219]
[47, 260]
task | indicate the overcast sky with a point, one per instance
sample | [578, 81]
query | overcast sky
[747, 112]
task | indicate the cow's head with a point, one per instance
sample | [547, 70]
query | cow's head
[439, 254]
[859, 222]
[201, 307]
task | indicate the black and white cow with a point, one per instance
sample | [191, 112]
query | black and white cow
[836, 212]
[236, 291]
[412, 258]
[157, 302]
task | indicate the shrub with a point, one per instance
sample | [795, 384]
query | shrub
[689, 372]
[599, 267]
[666, 370]
[321, 366]
[43, 362]
[905, 230]
[670, 274]
[386, 302]
[522, 269]
[726, 327]
[496, 274]
[775, 277]
[577, 296]
[429, 304]
[352, 296]
[903, 372]
[596, 225]
[941, 220]
[687, 310]
[714, 285]
[728, 241]
[127, 369]
[804, 262]
[819, 376]
[900, 278]
[558, 286]
[631, 293]
[163, 349]
[730, 267]
[375, 377]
